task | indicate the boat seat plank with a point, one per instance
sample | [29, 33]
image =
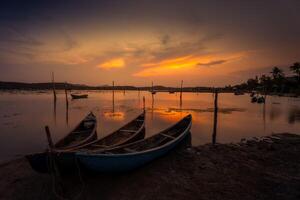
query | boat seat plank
[99, 145]
[139, 120]
[130, 131]
[83, 131]
[168, 136]
[130, 150]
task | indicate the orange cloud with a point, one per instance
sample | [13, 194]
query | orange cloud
[111, 64]
[184, 64]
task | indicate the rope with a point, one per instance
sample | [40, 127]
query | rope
[52, 170]
[54, 176]
[80, 179]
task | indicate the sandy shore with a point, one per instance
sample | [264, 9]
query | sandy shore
[264, 168]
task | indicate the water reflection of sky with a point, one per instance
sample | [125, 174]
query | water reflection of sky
[24, 114]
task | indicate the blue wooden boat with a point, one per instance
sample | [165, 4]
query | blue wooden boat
[85, 132]
[134, 155]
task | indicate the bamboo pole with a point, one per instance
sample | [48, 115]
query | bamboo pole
[53, 167]
[113, 96]
[53, 87]
[152, 107]
[152, 87]
[214, 135]
[49, 139]
[66, 94]
[144, 104]
[181, 93]
[67, 104]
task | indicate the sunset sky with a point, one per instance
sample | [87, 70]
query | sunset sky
[134, 42]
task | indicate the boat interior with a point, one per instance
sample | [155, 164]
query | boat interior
[118, 137]
[153, 141]
[82, 131]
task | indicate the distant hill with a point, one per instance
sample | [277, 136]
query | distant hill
[70, 86]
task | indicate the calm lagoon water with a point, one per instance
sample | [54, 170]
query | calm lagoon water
[24, 114]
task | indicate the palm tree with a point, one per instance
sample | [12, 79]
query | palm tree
[277, 73]
[296, 69]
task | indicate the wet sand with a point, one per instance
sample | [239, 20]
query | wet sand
[261, 168]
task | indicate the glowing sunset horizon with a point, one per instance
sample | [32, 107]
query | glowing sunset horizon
[136, 42]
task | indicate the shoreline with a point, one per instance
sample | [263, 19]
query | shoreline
[260, 168]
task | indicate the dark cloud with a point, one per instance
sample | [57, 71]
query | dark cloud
[165, 40]
[209, 64]
[18, 37]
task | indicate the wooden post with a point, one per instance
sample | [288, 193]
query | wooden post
[53, 86]
[54, 110]
[144, 104]
[49, 139]
[214, 135]
[66, 94]
[152, 107]
[152, 87]
[54, 99]
[113, 96]
[181, 93]
[67, 104]
[53, 167]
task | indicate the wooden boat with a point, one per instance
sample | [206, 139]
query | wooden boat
[85, 132]
[239, 93]
[261, 99]
[254, 99]
[79, 96]
[134, 155]
[132, 131]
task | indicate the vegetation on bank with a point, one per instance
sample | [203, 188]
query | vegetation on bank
[276, 82]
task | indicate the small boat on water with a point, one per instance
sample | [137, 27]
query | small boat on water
[238, 92]
[261, 99]
[79, 96]
[134, 155]
[85, 132]
[254, 99]
[153, 92]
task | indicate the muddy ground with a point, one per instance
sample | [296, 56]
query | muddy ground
[261, 168]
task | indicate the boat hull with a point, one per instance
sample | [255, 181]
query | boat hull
[125, 162]
[40, 162]
[84, 96]
[64, 161]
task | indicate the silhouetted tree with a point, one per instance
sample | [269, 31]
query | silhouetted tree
[277, 73]
[296, 69]
[252, 83]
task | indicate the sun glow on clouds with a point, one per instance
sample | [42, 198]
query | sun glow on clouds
[184, 64]
[111, 64]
